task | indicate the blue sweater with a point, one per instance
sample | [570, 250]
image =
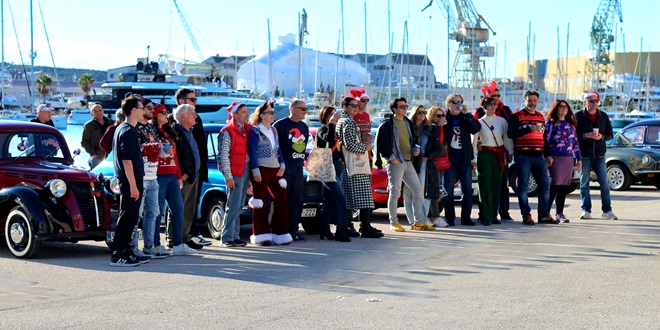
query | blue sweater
[262, 152]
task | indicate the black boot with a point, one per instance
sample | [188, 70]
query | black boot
[365, 225]
[326, 233]
[340, 234]
[350, 230]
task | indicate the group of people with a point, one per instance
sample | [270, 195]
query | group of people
[160, 161]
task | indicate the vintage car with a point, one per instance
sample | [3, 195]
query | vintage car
[633, 156]
[43, 197]
[211, 207]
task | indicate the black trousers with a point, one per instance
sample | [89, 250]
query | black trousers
[129, 209]
[295, 193]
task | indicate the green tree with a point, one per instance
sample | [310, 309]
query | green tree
[85, 82]
[43, 84]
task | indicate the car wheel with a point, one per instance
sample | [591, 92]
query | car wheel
[215, 215]
[312, 225]
[532, 188]
[20, 235]
[618, 177]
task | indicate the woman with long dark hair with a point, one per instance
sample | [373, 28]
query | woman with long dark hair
[492, 160]
[562, 151]
[169, 184]
[335, 202]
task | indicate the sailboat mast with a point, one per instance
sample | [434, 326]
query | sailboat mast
[2, 33]
[57, 78]
[366, 52]
[270, 60]
[32, 56]
[336, 68]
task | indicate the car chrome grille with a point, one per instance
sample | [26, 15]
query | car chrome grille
[92, 208]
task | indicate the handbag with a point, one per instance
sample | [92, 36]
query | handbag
[356, 163]
[319, 164]
[441, 163]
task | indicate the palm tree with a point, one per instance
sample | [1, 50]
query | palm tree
[43, 82]
[85, 82]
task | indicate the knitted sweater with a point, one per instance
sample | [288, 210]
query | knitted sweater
[526, 142]
[262, 151]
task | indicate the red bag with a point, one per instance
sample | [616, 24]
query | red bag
[441, 163]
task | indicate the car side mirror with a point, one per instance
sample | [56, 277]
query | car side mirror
[76, 152]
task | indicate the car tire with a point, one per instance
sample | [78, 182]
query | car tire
[215, 215]
[618, 177]
[312, 225]
[533, 188]
[19, 234]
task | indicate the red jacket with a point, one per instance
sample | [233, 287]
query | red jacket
[239, 143]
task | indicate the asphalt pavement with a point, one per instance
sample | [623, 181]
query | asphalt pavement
[587, 274]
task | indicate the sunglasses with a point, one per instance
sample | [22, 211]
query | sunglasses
[496, 95]
[365, 101]
[194, 99]
[149, 107]
[353, 105]
[440, 116]
[421, 113]
[593, 101]
[302, 108]
[405, 106]
[455, 102]
[269, 112]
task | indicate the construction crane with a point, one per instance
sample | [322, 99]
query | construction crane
[465, 24]
[189, 32]
[599, 66]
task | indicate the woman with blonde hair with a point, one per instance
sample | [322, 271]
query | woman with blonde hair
[430, 148]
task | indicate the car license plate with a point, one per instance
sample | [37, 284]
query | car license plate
[308, 213]
[110, 236]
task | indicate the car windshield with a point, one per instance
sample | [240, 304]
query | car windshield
[37, 144]
[620, 141]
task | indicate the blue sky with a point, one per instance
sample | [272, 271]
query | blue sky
[105, 34]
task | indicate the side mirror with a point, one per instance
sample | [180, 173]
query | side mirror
[76, 152]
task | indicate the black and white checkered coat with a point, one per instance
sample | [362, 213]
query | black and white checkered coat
[357, 188]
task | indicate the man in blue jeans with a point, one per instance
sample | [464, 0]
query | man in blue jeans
[526, 130]
[233, 162]
[593, 129]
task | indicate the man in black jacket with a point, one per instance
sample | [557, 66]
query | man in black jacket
[189, 162]
[593, 129]
[397, 143]
[187, 96]
[458, 138]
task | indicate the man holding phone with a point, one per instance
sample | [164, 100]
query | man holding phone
[593, 129]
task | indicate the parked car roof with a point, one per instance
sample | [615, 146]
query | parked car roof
[646, 122]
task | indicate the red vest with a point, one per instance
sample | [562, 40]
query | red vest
[239, 146]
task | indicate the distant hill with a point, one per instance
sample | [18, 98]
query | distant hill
[64, 74]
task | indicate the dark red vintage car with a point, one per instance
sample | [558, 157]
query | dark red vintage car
[42, 196]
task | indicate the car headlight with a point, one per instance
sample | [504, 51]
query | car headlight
[114, 186]
[57, 187]
[648, 160]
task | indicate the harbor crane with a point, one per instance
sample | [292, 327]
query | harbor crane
[189, 32]
[599, 65]
[465, 24]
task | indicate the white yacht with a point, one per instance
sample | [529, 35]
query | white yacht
[78, 117]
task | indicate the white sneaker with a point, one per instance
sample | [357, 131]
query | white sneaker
[183, 250]
[200, 240]
[609, 215]
[155, 253]
[162, 249]
[585, 215]
[440, 223]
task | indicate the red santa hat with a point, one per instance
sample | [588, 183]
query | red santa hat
[158, 108]
[592, 93]
[358, 93]
[488, 90]
[233, 108]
